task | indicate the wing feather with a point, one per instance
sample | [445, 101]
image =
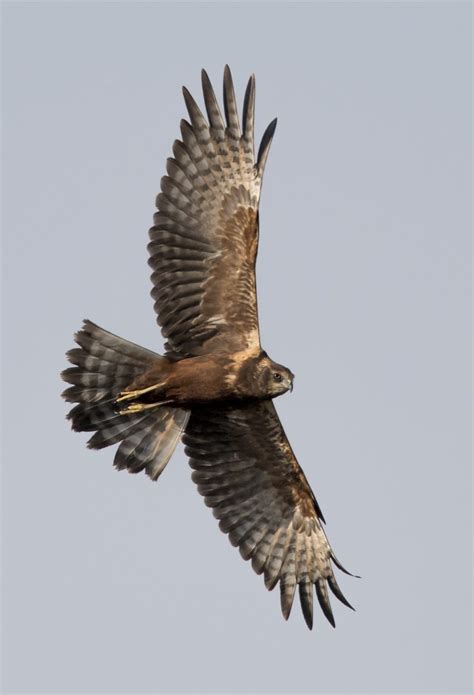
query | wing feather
[230, 108]
[306, 598]
[212, 107]
[248, 116]
[246, 471]
[323, 598]
[205, 233]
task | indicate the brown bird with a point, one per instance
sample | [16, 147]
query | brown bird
[215, 385]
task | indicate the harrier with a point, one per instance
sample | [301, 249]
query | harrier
[215, 385]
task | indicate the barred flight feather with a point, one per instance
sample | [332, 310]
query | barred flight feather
[105, 365]
[265, 504]
[209, 201]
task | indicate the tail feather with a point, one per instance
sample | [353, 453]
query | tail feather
[151, 447]
[100, 343]
[76, 394]
[104, 362]
[88, 418]
[114, 429]
[104, 365]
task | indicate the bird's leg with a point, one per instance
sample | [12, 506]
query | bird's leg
[131, 395]
[138, 407]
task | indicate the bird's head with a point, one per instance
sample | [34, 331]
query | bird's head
[274, 378]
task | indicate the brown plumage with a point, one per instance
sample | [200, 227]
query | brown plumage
[215, 384]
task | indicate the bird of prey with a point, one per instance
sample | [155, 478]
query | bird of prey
[214, 387]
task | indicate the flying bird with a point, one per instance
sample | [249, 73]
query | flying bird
[214, 387]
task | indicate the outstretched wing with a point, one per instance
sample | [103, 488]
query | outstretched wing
[205, 235]
[247, 472]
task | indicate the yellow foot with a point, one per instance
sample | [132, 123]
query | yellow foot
[130, 395]
[138, 407]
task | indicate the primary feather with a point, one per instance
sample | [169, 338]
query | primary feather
[204, 241]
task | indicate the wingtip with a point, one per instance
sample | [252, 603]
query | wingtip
[251, 82]
[230, 105]
[287, 593]
[248, 113]
[306, 600]
[336, 590]
[265, 145]
[228, 81]
[212, 107]
[331, 620]
[342, 568]
[272, 127]
[324, 602]
[187, 97]
[205, 81]
[286, 611]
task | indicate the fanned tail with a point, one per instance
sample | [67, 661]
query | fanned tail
[104, 365]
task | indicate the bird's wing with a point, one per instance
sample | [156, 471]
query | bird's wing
[204, 240]
[247, 472]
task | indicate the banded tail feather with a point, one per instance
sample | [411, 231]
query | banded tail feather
[104, 366]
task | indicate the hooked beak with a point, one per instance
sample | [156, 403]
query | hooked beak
[290, 381]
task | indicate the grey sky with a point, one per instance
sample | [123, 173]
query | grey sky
[114, 584]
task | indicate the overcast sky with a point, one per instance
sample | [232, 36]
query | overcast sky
[112, 583]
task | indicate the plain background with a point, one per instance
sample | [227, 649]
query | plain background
[114, 584]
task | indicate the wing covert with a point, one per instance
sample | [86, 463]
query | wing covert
[204, 240]
[246, 470]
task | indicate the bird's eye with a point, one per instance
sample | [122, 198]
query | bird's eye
[277, 376]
